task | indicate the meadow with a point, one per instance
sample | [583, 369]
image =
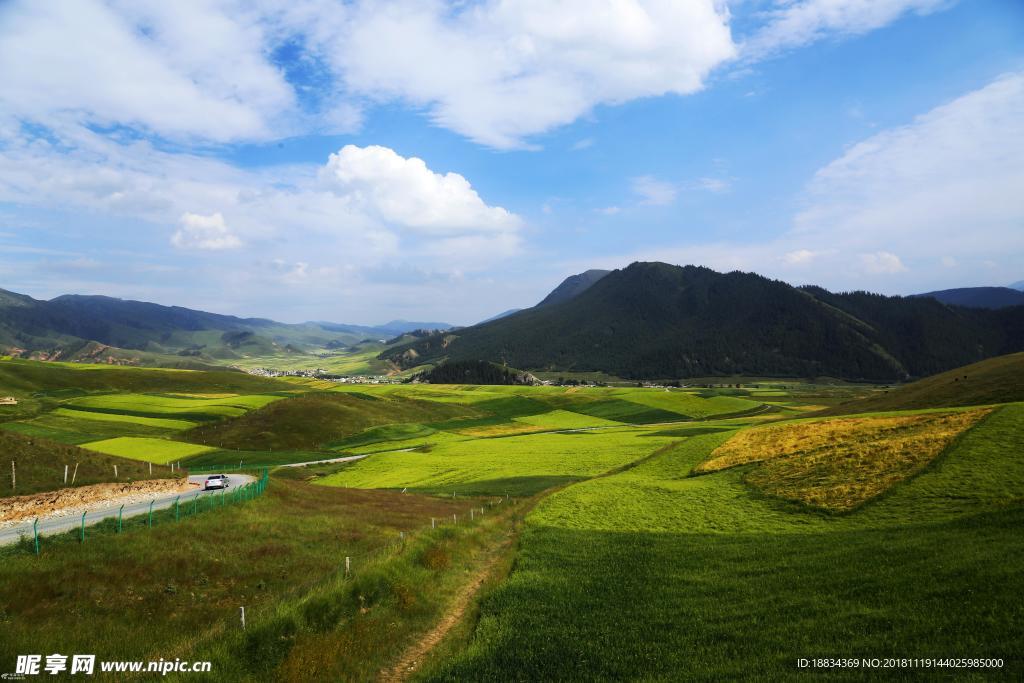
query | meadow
[702, 577]
[652, 533]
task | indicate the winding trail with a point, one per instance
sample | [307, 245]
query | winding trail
[456, 611]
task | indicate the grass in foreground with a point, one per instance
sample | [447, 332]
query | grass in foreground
[181, 583]
[651, 574]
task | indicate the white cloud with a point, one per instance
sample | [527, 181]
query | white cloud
[882, 263]
[709, 184]
[653, 191]
[945, 188]
[610, 210]
[383, 208]
[947, 184]
[499, 72]
[799, 257]
[798, 22]
[405, 192]
[181, 70]
[204, 232]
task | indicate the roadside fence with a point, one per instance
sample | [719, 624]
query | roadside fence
[193, 504]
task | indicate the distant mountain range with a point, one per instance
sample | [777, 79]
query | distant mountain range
[654, 320]
[979, 297]
[1019, 286]
[74, 327]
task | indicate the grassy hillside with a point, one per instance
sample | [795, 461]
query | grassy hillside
[39, 465]
[996, 380]
[25, 377]
[317, 420]
[650, 574]
[176, 588]
[656, 320]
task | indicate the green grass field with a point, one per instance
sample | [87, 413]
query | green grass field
[714, 534]
[149, 450]
[650, 572]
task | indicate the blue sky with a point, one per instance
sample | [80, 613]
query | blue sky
[360, 161]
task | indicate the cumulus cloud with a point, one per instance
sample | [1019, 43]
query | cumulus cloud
[798, 22]
[653, 191]
[181, 70]
[498, 72]
[204, 232]
[403, 191]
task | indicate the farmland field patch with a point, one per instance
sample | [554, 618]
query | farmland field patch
[147, 449]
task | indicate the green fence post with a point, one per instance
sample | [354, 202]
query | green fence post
[176, 508]
[35, 533]
[119, 513]
[151, 513]
[83, 528]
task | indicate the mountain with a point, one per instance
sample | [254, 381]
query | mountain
[654, 320]
[978, 297]
[1019, 286]
[503, 314]
[573, 286]
[75, 327]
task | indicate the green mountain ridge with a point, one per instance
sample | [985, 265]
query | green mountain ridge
[655, 320]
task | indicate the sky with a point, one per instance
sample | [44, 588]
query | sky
[437, 161]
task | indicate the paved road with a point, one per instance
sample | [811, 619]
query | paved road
[56, 525]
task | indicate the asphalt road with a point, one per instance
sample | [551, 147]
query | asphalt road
[56, 525]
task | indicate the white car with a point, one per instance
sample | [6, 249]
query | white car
[216, 481]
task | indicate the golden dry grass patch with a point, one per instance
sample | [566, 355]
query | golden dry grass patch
[840, 464]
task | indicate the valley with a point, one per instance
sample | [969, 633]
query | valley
[617, 531]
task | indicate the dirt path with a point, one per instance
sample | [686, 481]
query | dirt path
[414, 655]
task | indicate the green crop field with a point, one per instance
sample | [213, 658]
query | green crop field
[518, 464]
[148, 450]
[157, 405]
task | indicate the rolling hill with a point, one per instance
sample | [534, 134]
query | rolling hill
[995, 380]
[979, 297]
[654, 320]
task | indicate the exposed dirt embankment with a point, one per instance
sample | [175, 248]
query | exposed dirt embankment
[74, 500]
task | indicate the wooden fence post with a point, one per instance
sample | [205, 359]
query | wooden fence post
[74, 474]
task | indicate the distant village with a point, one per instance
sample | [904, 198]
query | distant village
[324, 374]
